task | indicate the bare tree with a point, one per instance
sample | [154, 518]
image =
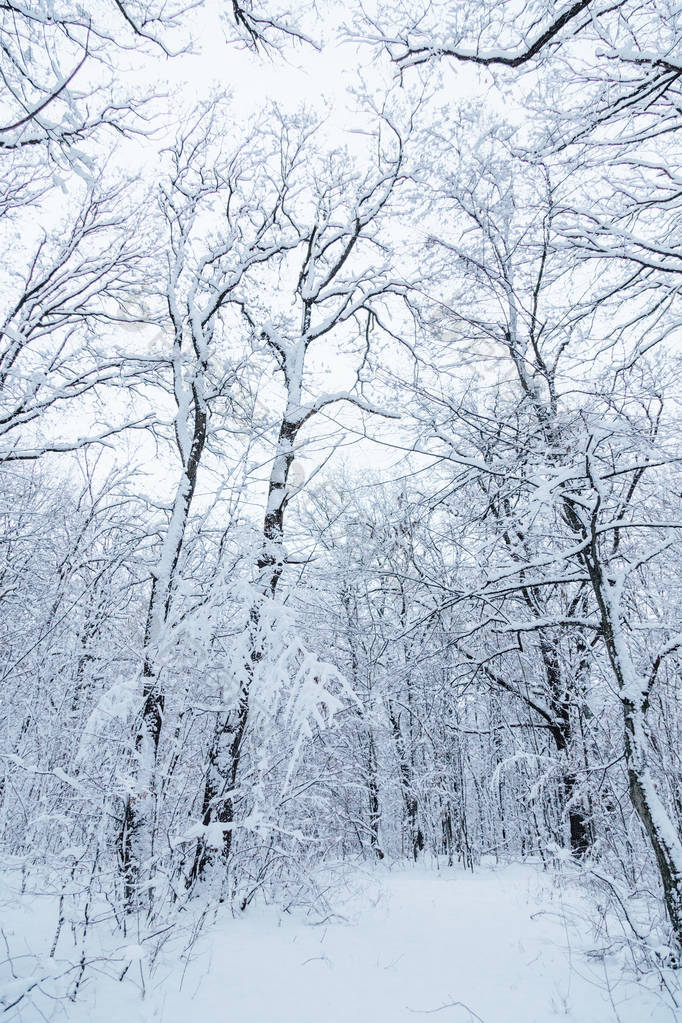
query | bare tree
[58, 70]
[62, 67]
[224, 215]
[344, 273]
[546, 470]
[61, 310]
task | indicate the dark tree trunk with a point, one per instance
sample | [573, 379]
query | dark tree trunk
[373, 789]
[227, 746]
[414, 831]
[139, 807]
[658, 827]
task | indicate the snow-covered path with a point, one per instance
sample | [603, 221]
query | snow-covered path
[498, 946]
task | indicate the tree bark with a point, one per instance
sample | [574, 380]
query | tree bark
[136, 838]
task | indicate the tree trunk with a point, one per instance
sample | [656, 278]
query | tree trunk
[659, 828]
[373, 787]
[415, 834]
[634, 696]
[136, 838]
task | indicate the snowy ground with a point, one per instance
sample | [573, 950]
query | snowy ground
[503, 945]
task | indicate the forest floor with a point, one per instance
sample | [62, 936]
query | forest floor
[501, 945]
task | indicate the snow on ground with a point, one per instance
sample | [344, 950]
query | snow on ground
[501, 945]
